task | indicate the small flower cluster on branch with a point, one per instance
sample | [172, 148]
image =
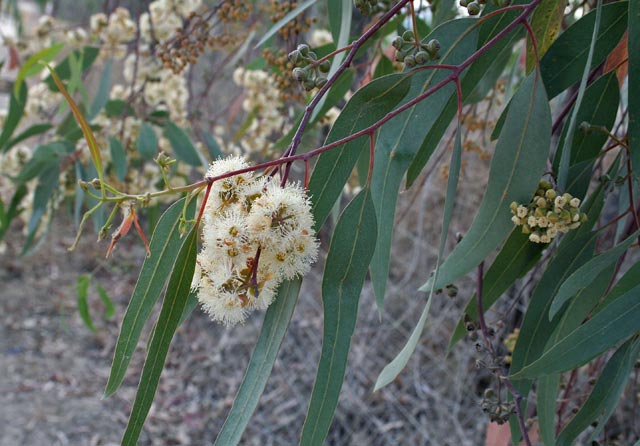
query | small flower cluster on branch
[548, 214]
[255, 235]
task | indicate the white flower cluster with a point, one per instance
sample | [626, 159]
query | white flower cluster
[114, 31]
[255, 235]
[320, 37]
[11, 163]
[262, 100]
[548, 214]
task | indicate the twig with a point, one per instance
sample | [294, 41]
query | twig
[517, 396]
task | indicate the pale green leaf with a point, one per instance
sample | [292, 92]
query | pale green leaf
[346, 267]
[616, 322]
[165, 244]
[264, 355]
[517, 165]
[172, 307]
[585, 275]
[284, 20]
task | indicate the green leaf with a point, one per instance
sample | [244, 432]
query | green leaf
[264, 355]
[212, 147]
[43, 158]
[536, 326]
[110, 309]
[545, 22]
[117, 108]
[585, 275]
[346, 13]
[94, 149]
[629, 280]
[284, 20]
[147, 143]
[118, 158]
[633, 40]
[391, 370]
[172, 307]
[477, 80]
[33, 66]
[13, 210]
[333, 168]
[517, 256]
[616, 322]
[104, 88]
[346, 267]
[165, 244]
[563, 165]
[548, 386]
[44, 192]
[87, 55]
[517, 165]
[35, 129]
[16, 110]
[605, 394]
[182, 145]
[564, 63]
[599, 107]
[396, 143]
[82, 289]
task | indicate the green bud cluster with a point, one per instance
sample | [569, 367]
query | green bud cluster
[412, 54]
[371, 7]
[474, 7]
[308, 71]
[548, 214]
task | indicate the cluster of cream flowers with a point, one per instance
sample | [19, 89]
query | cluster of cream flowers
[548, 214]
[262, 101]
[255, 235]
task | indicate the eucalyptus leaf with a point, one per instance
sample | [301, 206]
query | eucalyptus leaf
[346, 267]
[616, 322]
[165, 244]
[172, 307]
[517, 165]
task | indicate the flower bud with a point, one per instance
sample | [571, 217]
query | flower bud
[433, 47]
[303, 49]
[422, 57]
[300, 74]
[294, 56]
[473, 8]
[409, 61]
[324, 66]
[397, 43]
[408, 36]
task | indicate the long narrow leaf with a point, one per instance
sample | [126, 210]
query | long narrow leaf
[174, 302]
[165, 244]
[393, 369]
[605, 394]
[516, 167]
[347, 263]
[82, 122]
[264, 355]
[584, 275]
[616, 322]
[563, 169]
[398, 141]
[284, 20]
[16, 110]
